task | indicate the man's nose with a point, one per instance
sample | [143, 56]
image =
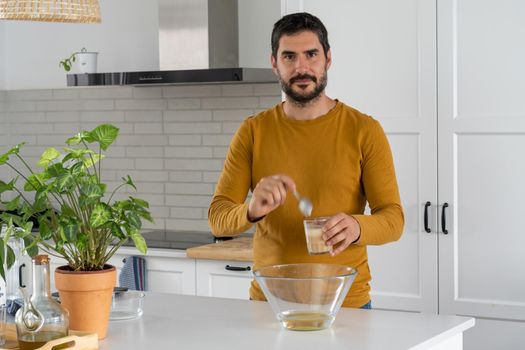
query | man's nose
[301, 64]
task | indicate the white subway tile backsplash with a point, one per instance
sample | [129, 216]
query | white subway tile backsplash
[66, 94]
[184, 103]
[211, 176]
[148, 128]
[35, 128]
[172, 142]
[185, 140]
[232, 114]
[27, 117]
[149, 163]
[187, 116]
[186, 213]
[143, 116]
[188, 201]
[147, 92]
[185, 176]
[144, 151]
[192, 128]
[29, 95]
[217, 140]
[269, 101]
[21, 106]
[102, 116]
[189, 188]
[66, 128]
[237, 90]
[71, 116]
[267, 89]
[194, 225]
[141, 140]
[119, 163]
[143, 104]
[220, 152]
[191, 91]
[144, 175]
[188, 152]
[106, 93]
[228, 102]
[193, 164]
[230, 128]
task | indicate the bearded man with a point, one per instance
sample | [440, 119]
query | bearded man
[333, 154]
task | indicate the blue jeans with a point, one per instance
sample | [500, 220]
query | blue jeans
[367, 305]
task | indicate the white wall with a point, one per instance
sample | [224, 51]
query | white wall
[256, 19]
[127, 39]
[2, 56]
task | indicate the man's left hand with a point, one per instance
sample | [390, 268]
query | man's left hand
[341, 230]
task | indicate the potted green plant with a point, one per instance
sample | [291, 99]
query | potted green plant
[87, 61]
[78, 220]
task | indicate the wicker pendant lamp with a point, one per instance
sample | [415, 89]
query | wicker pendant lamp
[72, 11]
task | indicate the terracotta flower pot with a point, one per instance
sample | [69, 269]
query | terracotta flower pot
[87, 296]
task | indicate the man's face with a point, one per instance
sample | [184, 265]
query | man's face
[301, 66]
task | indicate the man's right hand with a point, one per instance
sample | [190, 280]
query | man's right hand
[269, 193]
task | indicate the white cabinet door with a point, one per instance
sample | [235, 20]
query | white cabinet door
[481, 79]
[165, 274]
[384, 63]
[224, 279]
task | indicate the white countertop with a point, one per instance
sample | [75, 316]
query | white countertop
[173, 321]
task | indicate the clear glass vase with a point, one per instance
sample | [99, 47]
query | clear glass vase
[41, 319]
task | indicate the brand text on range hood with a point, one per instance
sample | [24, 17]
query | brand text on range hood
[198, 43]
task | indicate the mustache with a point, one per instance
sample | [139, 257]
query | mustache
[303, 77]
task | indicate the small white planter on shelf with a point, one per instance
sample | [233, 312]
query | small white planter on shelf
[87, 61]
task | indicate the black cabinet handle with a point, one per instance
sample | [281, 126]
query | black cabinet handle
[20, 276]
[237, 268]
[443, 219]
[427, 229]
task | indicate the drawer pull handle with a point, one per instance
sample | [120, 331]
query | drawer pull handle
[237, 268]
[427, 229]
[443, 219]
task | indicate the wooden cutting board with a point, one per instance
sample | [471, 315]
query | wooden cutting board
[238, 249]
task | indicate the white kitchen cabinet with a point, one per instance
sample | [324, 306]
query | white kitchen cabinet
[224, 279]
[168, 270]
[446, 80]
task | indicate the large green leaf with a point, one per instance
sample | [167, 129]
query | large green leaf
[13, 204]
[48, 156]
[104, 134]
[139, 241]
[140, 202]
[31, 245]
[15, 150]
[89, 161]
[44, 229]
[54, 170]
[34, 182]
[90, 194]
[69, 229]
[134, 220]
[101, 214]
[65, 182]
[7, 186]
[81, 136]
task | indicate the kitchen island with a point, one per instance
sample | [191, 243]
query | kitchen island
[191, 322]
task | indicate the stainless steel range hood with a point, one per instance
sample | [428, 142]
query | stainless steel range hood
[198, 44]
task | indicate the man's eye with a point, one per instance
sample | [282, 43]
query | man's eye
[312, 54]
[288, 57]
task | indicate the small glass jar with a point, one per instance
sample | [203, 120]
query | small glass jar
[41, 319]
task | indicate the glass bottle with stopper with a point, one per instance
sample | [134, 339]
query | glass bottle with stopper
[41, 319]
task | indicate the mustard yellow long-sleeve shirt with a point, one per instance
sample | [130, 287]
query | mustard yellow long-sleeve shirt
[339, 160]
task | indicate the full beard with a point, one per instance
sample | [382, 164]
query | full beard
[303, 99]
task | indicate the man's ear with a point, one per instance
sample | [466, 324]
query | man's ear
[328, 59]
[274, 64]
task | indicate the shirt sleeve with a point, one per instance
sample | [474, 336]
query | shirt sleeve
[385, 224]
[227, 214]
